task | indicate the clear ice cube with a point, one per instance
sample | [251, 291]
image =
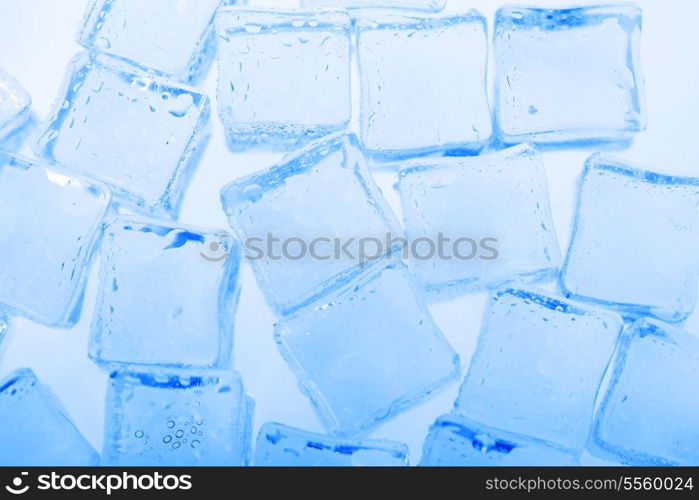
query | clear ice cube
[650, 414]
[538, 367]
[279, 445]
[170, 36]
[367, 351]
[426, 5]
[168, 295]
[512, 238]
[458, 441]
[35, 430]
[423, 83]
[50, 224]
[15, 104]
[177, 418]
[136, 131]
[568, 75]
[634, 241]
[321, 196]
[283, 76]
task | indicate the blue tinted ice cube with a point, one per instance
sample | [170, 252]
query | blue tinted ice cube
[322, 196]
[568, 75]
[135, 131]
[50, 222]
[177, 418]
[365, 352]
[423, 83]
[169, 36]
[168, 295]
[458, 441]
[14, 104]
[538, 367]
[34, 427]
[634, 240]
[650, 414]
[283, 76]
[427, 5]
[479, 222]
[280, 445]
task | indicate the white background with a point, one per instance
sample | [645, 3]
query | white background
[36, 42]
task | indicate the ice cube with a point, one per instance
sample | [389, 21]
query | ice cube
[168, 295]
[280, 445]
[367, 351]
[170, 36]
[479, 222]
[426, 5]
[134, 130]
[423, 83]
[3, 328]
[177, 418]
[283, 76]
[650, 415]
[538, 367]
[568, 75]
[50, 223]
[634, 241]
[35, 429]
[458, 441]
[15, 104]
[302, 223]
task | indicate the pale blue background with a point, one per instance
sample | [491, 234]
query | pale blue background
[36, 42]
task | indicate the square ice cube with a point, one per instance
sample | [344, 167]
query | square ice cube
[479, 222]
[170, 36]
[568, 75]
[302, 223]
[367, 351]
[50, 223]
[15, 104]
[423, 83]
[134, 130]
[35, 429]
[458, 441]
[426, 5]
[634, 241]
[280, 445]
[283, 76]
[168, 295]
[650, 415]
[177, 418]
[538, 367]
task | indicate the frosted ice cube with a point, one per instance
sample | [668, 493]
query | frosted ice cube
[458, 441]
[283, 76]
[178, 418]
[367, 351]
[50, 224]
[168, 295]
[479, 222]
[650, 415]
[314, 199]
[423, 83]
[15, 104]
[136, 131]
[538, 367]
[35, 429]
[568, 75]
[171, 36]
[426, 5]
[634, 240]
[280, 445]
